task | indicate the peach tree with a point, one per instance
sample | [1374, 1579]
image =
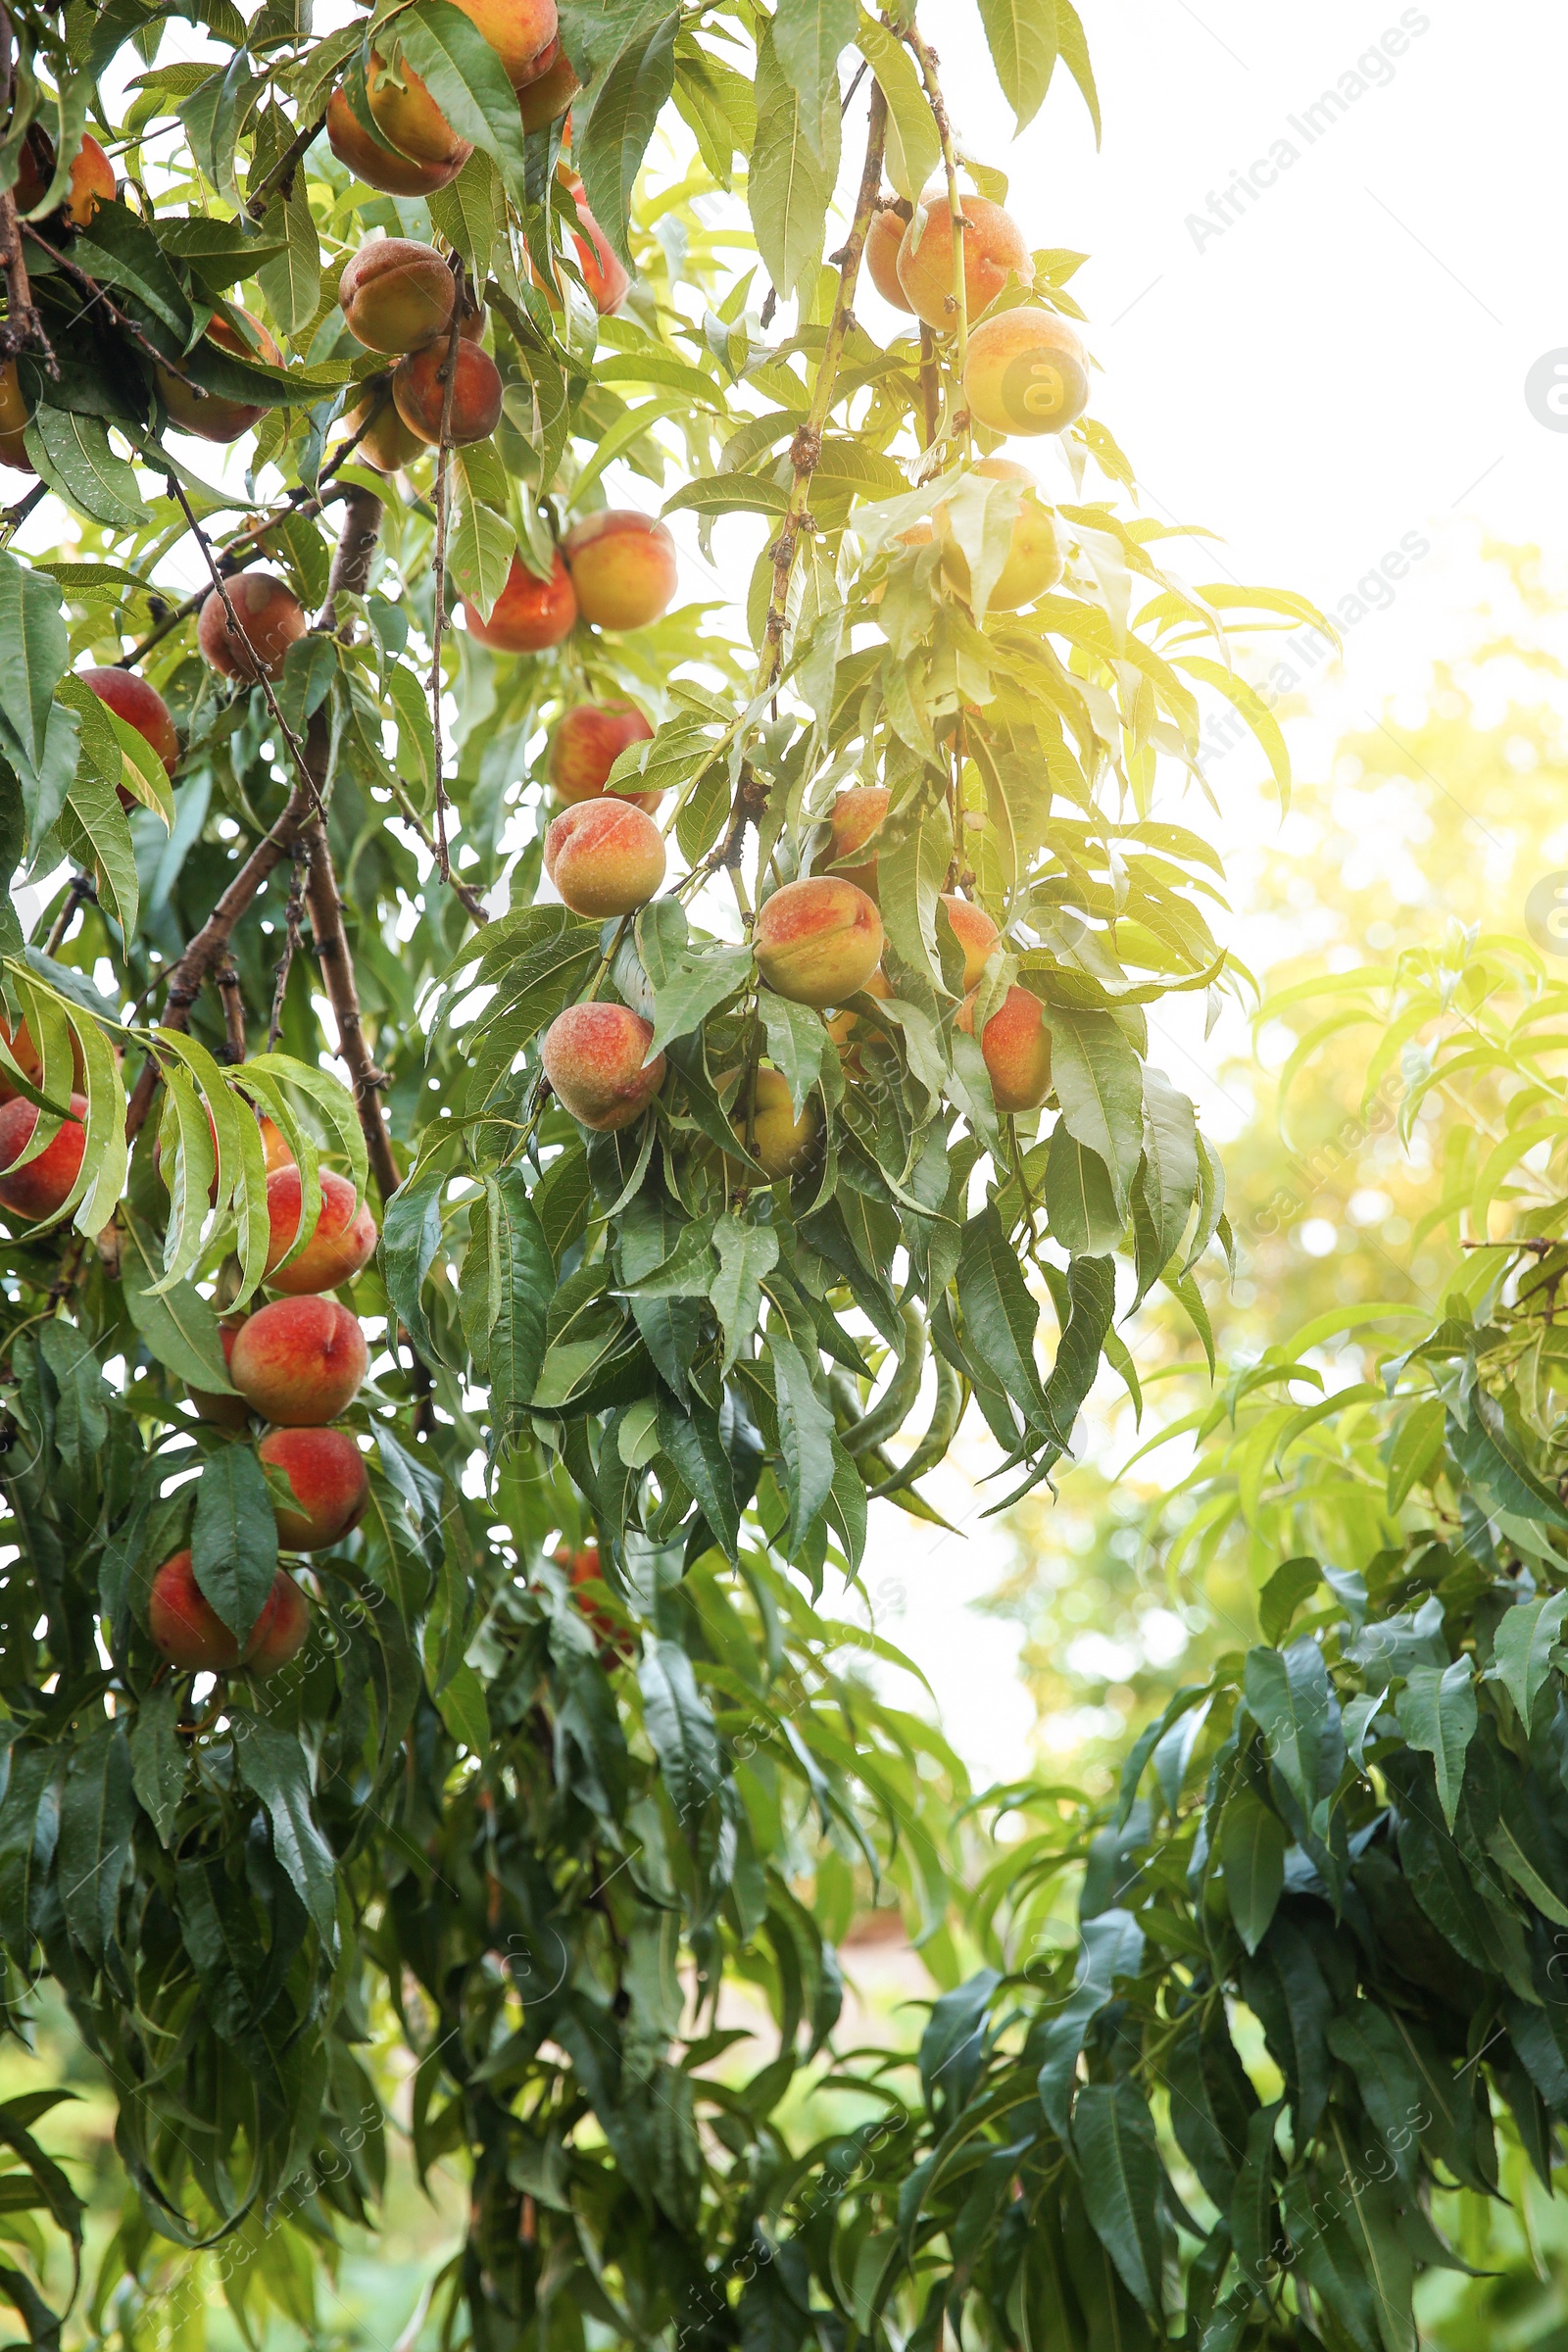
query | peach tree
[596, 862]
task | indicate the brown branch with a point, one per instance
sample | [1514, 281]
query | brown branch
[211, 943]
[807, 447]
[176, 489]
[351, 557]
[83, 886]
[281, 178]
[448, 374]
[293, 916]
[233, 999]
[337, 973]
[23, 328]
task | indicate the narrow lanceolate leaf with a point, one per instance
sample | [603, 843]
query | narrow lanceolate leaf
[700, 981]
[1288, 1698]
[747, 1254]
[522, 1278]
[465, 78]
[33, 651]
[274, 1763]
[1100, 1086]
[1438, 1714]
[1123, 2182]
[679, 1726]
[411, 1236]
[1000, 1316]
[619, 122]
[808, 38]
[793, 171]
[1021, 35]
[1251, 1853]
[96, 1814]
[105, 1159]
[805, 1436]
[175, 1322]
[1522, 1648]
[479, 554]
[233, 1537]
[292, 282]
[1170, 1163]
[914, 147]
[73, 455]
[94, 831]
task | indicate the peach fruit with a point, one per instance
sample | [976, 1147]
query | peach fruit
[529, 613]
[409, 117]
[183, 1623]
[396, 294]
[271, 616]
[975, 933]
[818, 941]
[519, 32]
[586, 745]
[1016, 1046]
[40, 1189]
[1034, 560]
[546, 94]
[854, 817]
[1026, 372]
[91, 182]
[779, 1140]
[276, 1151]
[223, 1412]
[213, 416]
[331, 1488]
[379, 165]
[605, 858]
[283, 1629]
[299, 1361]
[842, 1027]
[882, 241]
[419, 392]
[141, 706]
[340, 1246]
[13, 416]
[387, 443]
[994, 250]
[593, 1057]
[622, 566]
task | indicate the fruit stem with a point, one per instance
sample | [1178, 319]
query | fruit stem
[949, 166]
[807, 448]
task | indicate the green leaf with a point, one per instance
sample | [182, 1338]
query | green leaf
[479, 554]
[679, 1726]
[33, 651]
[1170, 1163]
[794, 166]
[1522, 1648]
[1098, 1084]
[1123, 2183]
[82, 1414]
[73, 455]
[1021, 35]
[292, 281]
[795, 1041]
[233, 1537]
[160, 1767]
[1438, 1714]
[1284, 1594]
[707, 975]
[274, 1764]
[610, 138]
[1246, 700]
[522, 1276]
[467, 80]
[1080, 1198]
[913, 152]
[747, 1253]
[1290, 1699]
[93, 826]
[694, 1445]
[808, 38]
[1252, 1852]
[805, 1436]
[96, 1814]
[470, 213]
[411, 1236]
[217, 253]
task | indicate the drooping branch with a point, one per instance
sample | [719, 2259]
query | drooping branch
[326, 910]
[807, 448]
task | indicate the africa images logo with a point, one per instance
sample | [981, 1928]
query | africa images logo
[1373, 70]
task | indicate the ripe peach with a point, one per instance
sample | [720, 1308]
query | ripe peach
[183, 1623]
[818, 941]
[1016, 1046]
[396, 294]
[274, 1149]
[882, 241]
[141, 706]
[271, 616]
[91, 182]
[994, 250]
[779, 1140]
[214, 418]
[299, 1361]
[13, 416]
[1026, 372]
[975, 933]
[586, 745]
[605, 856]
[420, 394]
[854, 817]
[529, 613]
[409, 117]
[593, 1057]
[604, 274]
[38, 1189]
[546, 94]
[622, 565]
[387, 445]
[584, 1572]
[375, 162]
[331, 1488]
[1034, 560]
[342, 1242]
[223, 1412]
[519, 32]
[281, 1629]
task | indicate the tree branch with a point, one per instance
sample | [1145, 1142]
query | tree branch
[326, 910]
[281, 178]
